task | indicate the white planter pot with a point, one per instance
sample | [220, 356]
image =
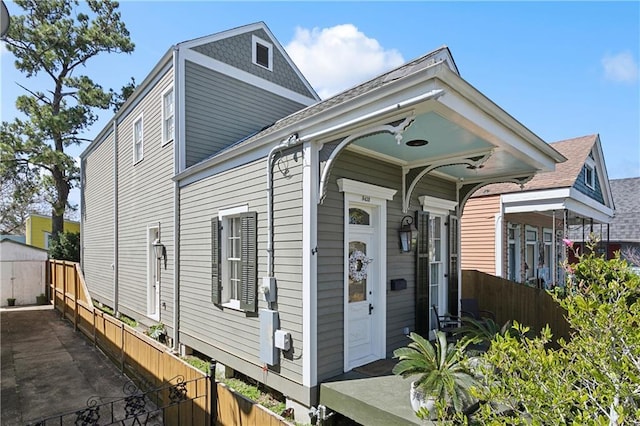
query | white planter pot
[419, 399]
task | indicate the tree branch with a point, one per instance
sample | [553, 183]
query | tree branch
[41, 97]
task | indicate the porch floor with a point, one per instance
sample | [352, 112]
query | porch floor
[370, 395]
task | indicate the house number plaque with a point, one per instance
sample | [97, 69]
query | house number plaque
[366, 198]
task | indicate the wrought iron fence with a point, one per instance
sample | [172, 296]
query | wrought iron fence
[177, 402]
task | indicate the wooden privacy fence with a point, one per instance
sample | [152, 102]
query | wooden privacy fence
[512, 301]
[145, 359]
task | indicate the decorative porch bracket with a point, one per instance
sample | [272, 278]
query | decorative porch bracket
[466, 190]
[473, 162]
[396, 128]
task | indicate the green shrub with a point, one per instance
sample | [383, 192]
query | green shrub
[592, 379]
[65, 246]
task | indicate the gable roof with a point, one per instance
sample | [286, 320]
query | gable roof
[576, 151]
[166, 61]
[626, 221]
[439, 55]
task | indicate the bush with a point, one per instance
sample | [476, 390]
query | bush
[592, 379]
[66, 246]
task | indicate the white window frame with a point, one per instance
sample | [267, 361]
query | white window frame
[47, 238]
[255, 40]
[590, 166]
[515, 241]
[534, 243]
[140, 120]
[165, 116]
[224, 215]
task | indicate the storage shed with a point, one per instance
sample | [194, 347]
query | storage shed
[22, 272]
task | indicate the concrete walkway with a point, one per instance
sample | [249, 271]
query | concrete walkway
[47, 368]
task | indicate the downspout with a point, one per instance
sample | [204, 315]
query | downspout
[176, 203]
[116, 292]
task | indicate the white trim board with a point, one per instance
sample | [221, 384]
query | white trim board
[252, 79]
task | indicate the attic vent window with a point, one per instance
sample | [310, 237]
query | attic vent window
[262, 53]
[590, 173]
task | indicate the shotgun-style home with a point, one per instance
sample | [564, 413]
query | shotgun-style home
[289, 238]
[516, 231]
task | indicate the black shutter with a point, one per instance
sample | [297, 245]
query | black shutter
[249, 263]
[422, 273]
[216, 287]
[454, 256]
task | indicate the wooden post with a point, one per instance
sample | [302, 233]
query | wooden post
[75, 298]
[64, 288]
[213, 397]
[122, 347]
[52, 286]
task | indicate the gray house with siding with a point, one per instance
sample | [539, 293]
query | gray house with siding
[279, 214]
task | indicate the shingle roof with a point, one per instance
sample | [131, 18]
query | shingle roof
[379, 81]
[565, 174]
[626, 222]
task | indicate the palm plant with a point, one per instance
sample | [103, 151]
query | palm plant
[443, 372]
[482, 332]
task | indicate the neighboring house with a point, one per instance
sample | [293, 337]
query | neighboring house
[516, 232]
[227, 202]
[22, 272]
[38, 229]
[623, 233]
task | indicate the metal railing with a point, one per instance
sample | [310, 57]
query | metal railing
[174, 403]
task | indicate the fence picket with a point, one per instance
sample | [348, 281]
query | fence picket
[147, 360]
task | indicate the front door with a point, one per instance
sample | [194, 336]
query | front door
[365, 271]
[363, 285]
[437, 273]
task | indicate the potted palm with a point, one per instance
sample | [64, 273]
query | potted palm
[440, 373]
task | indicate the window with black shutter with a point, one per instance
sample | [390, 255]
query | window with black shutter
[234, 260]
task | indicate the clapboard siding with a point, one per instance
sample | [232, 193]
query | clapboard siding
[221, 110]
[228, 330]
[98, 236]
[400, 304]
[478, 234]
[145, 197]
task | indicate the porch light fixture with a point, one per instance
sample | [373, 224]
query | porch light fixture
[417, 142]
[408, 234]
[160, 251]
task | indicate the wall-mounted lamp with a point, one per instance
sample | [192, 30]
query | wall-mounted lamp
[160, 251]
[408, 234]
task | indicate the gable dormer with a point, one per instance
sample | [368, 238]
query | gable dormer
[234, 84]
[592, 179]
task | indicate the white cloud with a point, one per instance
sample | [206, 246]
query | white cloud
[339, 57]
[620, 68]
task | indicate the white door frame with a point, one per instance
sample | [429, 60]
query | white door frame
[153, 274]
[375, 198]
[441, 208]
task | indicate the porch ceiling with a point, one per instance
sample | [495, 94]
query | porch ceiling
[448, 138]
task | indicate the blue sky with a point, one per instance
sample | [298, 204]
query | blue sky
[563, 69]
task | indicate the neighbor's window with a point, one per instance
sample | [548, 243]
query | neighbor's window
[262, 53]
[167, 116]
[589, 175]
[234, 258]
[137, 140]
